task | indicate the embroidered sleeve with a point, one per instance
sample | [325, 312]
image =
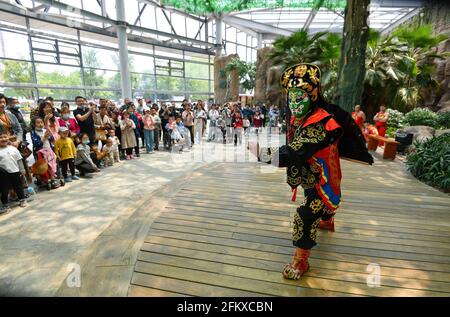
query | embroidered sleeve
[309, 141]
[314, 134]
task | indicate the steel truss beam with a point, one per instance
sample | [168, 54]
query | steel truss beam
[312, 15]
[158, 5]
[7, 7]
[138, 19]
[406, 17]
[255, 26]
[100, 18]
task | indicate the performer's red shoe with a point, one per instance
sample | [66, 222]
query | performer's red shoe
[299, 265]
[327, 224]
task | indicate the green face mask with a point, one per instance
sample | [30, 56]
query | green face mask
[299, 102]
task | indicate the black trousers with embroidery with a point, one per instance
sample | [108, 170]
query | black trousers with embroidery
[307, 218]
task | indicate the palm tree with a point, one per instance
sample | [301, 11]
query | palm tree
[296, 48]
[415, 67]
[322, 49]
[380, 82]
[399, 67]
[329, 62]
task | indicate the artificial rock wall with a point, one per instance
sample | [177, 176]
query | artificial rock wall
[267, 83]
[221, 93]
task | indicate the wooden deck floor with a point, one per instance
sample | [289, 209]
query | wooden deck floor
[227, 232]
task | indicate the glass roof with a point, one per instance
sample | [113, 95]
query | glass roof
[190, 23]
[324, 20]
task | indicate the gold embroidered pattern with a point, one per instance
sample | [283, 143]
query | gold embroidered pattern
[300, 70]
[313, 234]
[316, 205]
[294, 171]
[286, 78]
[297, 232]
[315, 168]
[310, 134]
[327, 211]
[294, 181]
[313, 134]
[313, 75]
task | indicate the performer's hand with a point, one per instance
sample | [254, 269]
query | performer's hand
[272, 156]
[264, 155]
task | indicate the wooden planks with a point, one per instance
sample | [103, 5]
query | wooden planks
[226, 232]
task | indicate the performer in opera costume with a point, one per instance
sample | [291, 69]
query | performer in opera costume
[318, 135]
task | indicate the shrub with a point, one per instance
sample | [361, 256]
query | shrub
[443, 120]
[395, 122]
[421, 116]
[430, 161]
[391, 131]
[396, 118]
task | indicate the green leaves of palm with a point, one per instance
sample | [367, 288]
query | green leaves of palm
[297, 48]
[401, 64]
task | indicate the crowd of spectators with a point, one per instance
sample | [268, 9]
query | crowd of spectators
[66, 144]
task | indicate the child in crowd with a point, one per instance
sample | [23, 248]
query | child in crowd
[43, 144]
[184, 132]
[107, 150]
[368, 130]
[149, 128]
[10, 173]
[128, 141]
[66, 153]
[83, 161]
[257, 121]
[66, 121]
[172, 127]
[221, 124]
[237, 128]
[115, 146]
[50, 122]
[97, 155]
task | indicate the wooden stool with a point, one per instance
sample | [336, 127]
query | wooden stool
[390, 146]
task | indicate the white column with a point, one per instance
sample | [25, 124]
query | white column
[123, 50]
[219, 35]
[260, 44]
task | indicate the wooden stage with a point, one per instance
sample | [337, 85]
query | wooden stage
[227, 232]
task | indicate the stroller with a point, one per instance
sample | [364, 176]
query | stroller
[43, 173]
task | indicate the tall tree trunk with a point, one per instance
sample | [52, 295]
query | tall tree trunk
[350, 82]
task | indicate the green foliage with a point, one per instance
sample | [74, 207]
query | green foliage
[396, 118]
[418, 37]
[16, 72]
[322, 49]
[399, 67]
[443, 120]
[391, 131]
[430, 162]
[246, 72]
[395, 122]
[421, 116]
[227, 6]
